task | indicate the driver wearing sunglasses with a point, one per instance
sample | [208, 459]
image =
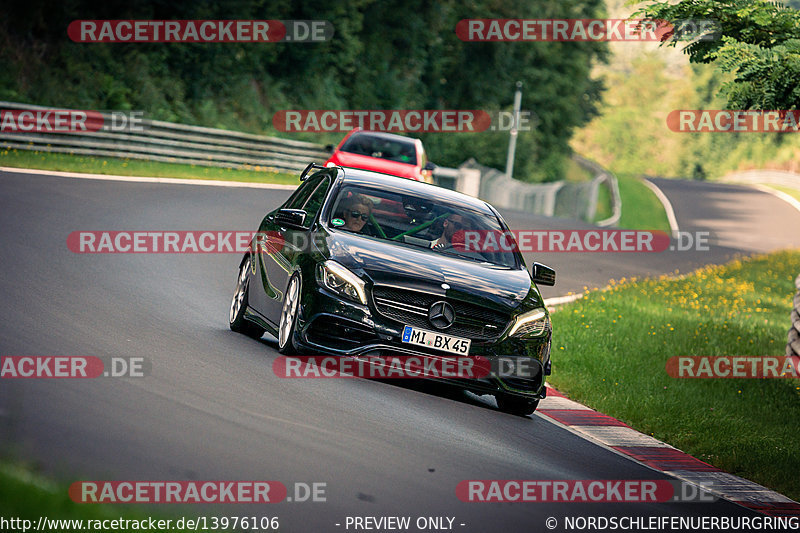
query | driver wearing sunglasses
[451, 225]
[356, 211]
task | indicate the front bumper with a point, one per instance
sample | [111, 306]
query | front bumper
[335, 326]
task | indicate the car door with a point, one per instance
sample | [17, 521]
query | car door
[277, 259]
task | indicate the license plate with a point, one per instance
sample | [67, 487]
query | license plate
[437, 341]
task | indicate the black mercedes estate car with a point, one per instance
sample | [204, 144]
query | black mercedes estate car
[358, 264]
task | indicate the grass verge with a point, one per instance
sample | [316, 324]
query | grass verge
[611, 348]
[604, 210]
[574, 173]
[136, 167]
[794, 193]
[27, 495]
[641, 209]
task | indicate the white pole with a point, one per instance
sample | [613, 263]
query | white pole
[512, 141]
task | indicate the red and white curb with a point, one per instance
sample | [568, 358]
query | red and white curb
[618, 437]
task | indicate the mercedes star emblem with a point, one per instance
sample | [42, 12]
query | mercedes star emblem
[442, 315]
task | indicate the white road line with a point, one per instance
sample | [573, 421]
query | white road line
[673, 222]
[778, 194]
[139, 179]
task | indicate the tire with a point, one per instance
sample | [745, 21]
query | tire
[514, 405]
[289, 313]
[236, 319]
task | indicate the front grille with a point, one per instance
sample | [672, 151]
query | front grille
[410, 307]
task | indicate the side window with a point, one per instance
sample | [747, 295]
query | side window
[315, 201]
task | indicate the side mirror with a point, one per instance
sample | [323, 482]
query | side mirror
[290, 217]
[329, 148]
[543, 274]
[429, 166]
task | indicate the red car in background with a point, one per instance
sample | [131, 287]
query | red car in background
[383, 152]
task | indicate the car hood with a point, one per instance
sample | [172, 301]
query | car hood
[403, 266]
[346, 159]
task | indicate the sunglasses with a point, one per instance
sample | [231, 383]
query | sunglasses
[456, 225]
[356, 214]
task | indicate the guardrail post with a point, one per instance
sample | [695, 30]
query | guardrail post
[469, 181]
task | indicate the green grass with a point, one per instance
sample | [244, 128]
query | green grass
[611, 348]
[641, 209]
[574, 173]
[794, 193]
[604, 210]
[135, 167]
[27, 495]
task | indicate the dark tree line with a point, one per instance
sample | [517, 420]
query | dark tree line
[385, 54]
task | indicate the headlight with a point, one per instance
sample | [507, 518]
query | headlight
[534, 323]
[338, 279]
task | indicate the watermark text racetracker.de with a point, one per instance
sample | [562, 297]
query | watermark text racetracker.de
[600, 240]
[406, 366]
[402, 120]
[582, 491]
[73, 366]
[205, 492]
[582, 30]
[200, 31]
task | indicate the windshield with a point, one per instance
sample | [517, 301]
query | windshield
[376, 146]
[441, 228]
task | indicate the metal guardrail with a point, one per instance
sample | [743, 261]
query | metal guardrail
[559, 199]
[180, 143]
[793, 344]
[775, 177]
[603, 177]
[500, 190]
[171, 143]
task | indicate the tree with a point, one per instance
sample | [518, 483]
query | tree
[759, 42]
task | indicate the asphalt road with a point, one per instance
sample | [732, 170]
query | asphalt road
[731, 220]
[737, 216]
[213, 409]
